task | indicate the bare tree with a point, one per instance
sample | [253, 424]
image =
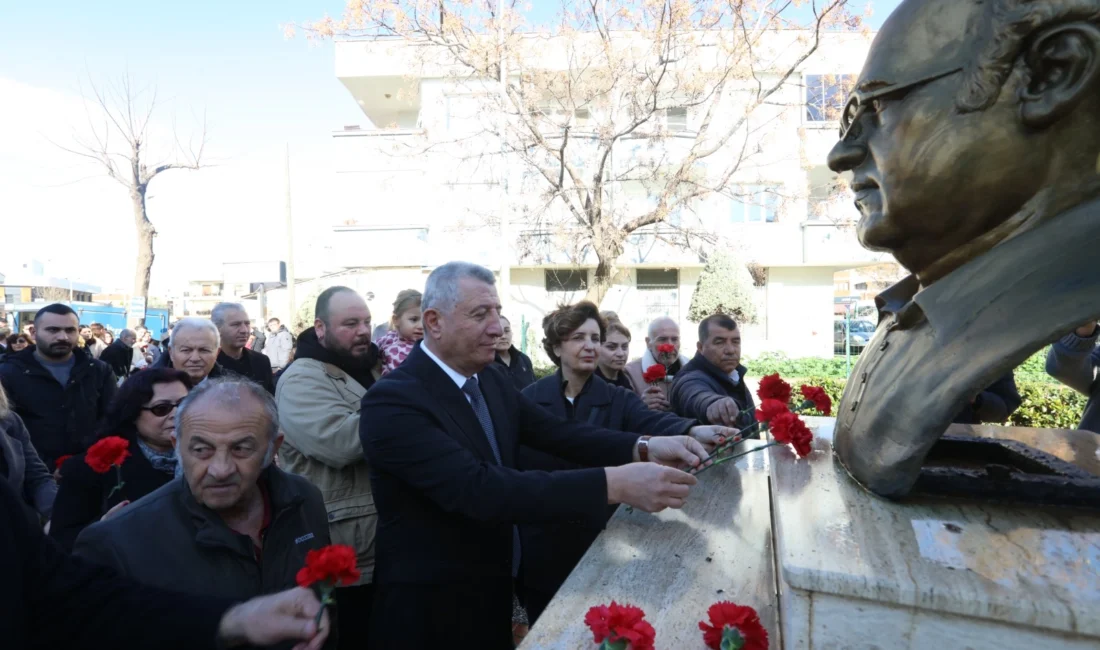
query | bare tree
[660, 102]
[119, 125]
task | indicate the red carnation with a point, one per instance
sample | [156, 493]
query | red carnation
[654, 374]
[770, 408]
[108, 452]
[666, 348]
[330, 566]
[737, 624]
[772, 387]
[821, 401]
[333, 564]
[613, 624]
[788, 428]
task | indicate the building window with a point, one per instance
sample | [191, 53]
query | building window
[658, 279]
[826, 95]
[566, 280]
[676, 119]
[755, 204]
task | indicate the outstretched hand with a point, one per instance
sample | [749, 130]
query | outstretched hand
[676, 451]
[712, 435]
[285, 616]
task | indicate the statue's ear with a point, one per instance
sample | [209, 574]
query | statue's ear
[1063, 64]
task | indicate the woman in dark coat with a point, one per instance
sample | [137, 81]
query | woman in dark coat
[573, 337]
[143, 412]
[20, 466]
[512, 361]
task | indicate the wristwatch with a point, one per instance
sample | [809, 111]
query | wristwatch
[643, 448]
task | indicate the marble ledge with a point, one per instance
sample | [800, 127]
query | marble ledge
[677, 563]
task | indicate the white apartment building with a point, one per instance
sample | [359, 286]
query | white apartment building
[413, 194]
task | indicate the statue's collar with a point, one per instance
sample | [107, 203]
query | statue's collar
[960, 296]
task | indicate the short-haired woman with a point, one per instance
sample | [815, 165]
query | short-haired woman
[573, 335]
[142, 412]
[614, 353]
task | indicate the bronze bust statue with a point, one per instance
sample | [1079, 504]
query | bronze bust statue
[973, 136]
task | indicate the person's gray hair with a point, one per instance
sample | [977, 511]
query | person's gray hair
[5, 406]
[441, 289]
[126, 332]
[657, 322]
[227, 392]
[217, 314]
[192, 323]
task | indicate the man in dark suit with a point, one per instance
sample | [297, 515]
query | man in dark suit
[441, 433]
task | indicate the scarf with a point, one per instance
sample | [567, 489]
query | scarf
[309, 347]
[162, 461]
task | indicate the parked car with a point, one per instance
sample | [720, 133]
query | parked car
[859, 333]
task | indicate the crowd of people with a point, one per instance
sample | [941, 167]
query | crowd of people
[468, 488]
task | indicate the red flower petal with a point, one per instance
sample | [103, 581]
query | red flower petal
[744, 619]
[817, 395]
[617, 622]
[654, 373]
[334, 564]
[770, 408]
[666, 348]
[108, 452]
[772, 387]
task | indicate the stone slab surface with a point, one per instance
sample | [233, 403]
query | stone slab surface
[677, 563]
[1031, 567]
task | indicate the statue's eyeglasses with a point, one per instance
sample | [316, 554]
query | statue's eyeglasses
[859, 102]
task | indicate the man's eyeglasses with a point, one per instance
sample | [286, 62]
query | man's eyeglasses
[859, 102]
[162, 409]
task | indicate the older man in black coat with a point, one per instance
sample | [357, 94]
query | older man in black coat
[441, 433]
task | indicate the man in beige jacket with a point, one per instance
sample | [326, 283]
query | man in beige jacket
[662, 332]
[318, 399]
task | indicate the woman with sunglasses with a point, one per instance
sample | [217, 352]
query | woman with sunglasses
[142, 412]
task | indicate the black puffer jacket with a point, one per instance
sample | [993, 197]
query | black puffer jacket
[168, 539]
[61, 419]
[700, 383]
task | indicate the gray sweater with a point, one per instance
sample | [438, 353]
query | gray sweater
[1073, 360]
[27, 474]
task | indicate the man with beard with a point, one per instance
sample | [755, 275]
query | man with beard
[318, 399]
[58, 389]
[235, 327]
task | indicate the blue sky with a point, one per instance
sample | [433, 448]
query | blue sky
[260, 92]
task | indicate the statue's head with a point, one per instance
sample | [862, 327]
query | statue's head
[965, 111]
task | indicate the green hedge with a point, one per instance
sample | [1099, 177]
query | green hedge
[1033, 370]
[1045, 406]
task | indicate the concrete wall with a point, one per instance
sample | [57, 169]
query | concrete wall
[799, 313]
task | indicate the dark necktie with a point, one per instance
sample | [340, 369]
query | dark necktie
[481, 410]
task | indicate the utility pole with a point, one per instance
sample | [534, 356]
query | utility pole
[292, 305]
[502, 205]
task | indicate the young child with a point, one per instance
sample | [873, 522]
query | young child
[405, 330]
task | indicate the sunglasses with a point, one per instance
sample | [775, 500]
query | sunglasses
[860, 102]
[162, 409]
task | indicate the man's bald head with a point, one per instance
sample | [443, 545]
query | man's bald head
[663, 331]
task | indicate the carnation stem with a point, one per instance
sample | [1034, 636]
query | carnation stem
[735, 457]
[118, 486]
[726, 446]
[326, 600]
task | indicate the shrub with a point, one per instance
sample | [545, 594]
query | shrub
[725, 287]
[1044, 406]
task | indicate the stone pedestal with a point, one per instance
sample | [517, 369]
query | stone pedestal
[857, 571]
[828, 565]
